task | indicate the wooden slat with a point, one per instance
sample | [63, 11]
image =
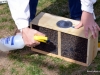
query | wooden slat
[89, 51]
[92, 49]
[95, 47]
[59, 43]
[30, 25]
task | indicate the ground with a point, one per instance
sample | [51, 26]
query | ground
[27, 62]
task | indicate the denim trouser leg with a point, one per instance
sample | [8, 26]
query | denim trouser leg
[75, 9]
[33, 6]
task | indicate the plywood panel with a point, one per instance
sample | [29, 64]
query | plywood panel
[50, 21]
[92, 49]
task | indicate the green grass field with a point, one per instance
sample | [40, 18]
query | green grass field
[27, 62]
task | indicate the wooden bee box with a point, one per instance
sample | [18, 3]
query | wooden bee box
[69, 44]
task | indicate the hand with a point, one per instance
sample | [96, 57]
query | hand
[28, 35]
[87, 20]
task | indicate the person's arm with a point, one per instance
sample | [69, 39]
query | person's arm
[87, 5]
[20, 13]
[87, 18]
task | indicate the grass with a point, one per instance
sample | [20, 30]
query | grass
[27, 62]
[2, 71]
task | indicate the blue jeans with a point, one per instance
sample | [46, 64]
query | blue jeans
[75, 9]
[33, 6]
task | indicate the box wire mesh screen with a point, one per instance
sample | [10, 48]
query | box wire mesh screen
[74, 47]
[52, 35]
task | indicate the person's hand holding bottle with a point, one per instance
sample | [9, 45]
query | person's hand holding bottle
[28, 36]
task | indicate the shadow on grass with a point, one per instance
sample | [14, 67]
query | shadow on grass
[59, 7]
